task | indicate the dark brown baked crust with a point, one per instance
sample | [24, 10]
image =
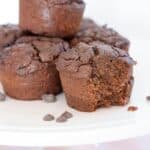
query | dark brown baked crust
[49, 48]
[28, 70]
[55, 18]
[95, 75]
[8, 34]
[90, 31]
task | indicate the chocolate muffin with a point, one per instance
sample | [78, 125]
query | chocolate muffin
[96, 75]
[28, 70]
[90, 31]
[8, 34]
[55, 18]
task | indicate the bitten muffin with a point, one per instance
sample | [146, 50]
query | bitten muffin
[28, 70]
[55, 18]
[8, 34]
[96, 75]
[90, 31]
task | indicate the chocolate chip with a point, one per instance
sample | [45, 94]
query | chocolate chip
[132, 108]
[2, 97]
[48, 117]
[67, 114]
[96, 51]
[61, 119]
[49, 98]
[148, 98]
[64, 117]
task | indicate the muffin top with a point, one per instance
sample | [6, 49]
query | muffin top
[30, 54]
[8, 34]
[48, 48]
[21, 59]
[90, 31]
[80, 58]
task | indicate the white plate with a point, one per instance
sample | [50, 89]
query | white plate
[22, 121]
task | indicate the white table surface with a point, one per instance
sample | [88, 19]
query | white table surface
[141, 143]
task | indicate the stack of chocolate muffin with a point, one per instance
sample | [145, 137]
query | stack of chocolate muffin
[53, 45]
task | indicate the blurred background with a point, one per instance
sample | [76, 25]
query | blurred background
[129, 17]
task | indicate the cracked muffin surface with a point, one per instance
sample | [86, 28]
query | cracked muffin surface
[28, 70]
[90, 31]
[96, 75]
[9, 33]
